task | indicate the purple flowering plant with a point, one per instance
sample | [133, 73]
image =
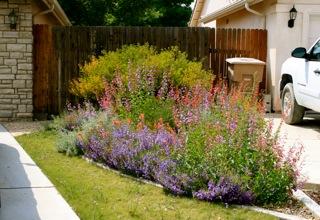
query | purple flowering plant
[212, 145]
[220, 148]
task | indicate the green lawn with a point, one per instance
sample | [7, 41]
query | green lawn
[95, 193]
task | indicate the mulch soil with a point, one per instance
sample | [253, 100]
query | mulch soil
[295, 207]
[315, 195]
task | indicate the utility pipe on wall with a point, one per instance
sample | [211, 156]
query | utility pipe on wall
[247, 7]
[45, 12]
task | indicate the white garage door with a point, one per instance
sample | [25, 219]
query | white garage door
[314, 29]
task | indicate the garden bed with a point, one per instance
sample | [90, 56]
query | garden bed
[95, 193]
[154, 115]
[93, 189]
[295, 207]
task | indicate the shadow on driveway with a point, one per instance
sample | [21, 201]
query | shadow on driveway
[311, 121]
[17, 197]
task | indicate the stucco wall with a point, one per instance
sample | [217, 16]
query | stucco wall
[282, 40]
[16, 62]
[242, 19]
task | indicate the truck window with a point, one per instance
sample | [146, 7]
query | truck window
[315, 52]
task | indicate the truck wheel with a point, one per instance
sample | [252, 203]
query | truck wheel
[292, 112]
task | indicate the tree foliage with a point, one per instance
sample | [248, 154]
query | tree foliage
[128, 12]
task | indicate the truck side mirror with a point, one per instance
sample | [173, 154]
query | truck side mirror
[299, 52]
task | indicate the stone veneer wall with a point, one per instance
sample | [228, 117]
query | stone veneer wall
[16, 62]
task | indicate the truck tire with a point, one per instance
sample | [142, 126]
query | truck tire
[292, 112]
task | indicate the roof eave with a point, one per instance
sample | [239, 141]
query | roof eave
[196, 13]
[227, 10]
[58, 12]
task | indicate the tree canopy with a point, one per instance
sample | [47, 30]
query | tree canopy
[128, 12]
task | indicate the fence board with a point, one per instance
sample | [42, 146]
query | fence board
[237, 43]
[58, 52]
[212, 45]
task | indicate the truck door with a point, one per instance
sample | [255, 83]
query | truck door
[313, 73]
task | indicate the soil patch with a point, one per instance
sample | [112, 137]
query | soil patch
[21, 128]
[295, 207]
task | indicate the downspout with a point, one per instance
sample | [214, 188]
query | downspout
[45, 12]
[247, 7]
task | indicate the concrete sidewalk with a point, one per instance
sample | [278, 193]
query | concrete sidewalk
[26, 193]
[308, 134]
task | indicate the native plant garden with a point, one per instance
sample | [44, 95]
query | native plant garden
[155, 115]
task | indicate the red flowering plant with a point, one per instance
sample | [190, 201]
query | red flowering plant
[158, 120]
[227, 137]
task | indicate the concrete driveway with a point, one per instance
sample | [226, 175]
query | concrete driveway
[308, 134]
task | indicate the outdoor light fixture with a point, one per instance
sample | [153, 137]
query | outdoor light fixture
[293, 16]
[13, 17]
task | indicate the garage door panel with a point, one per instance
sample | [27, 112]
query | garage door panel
[314, 29]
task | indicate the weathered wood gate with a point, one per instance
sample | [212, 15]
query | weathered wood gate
[58, 52]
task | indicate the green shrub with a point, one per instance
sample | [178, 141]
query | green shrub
[91, 123]
[58, 123]
[67, 143]
[137, 80]
[73, 117]
[95, 126]
[150, 106]
[130, 60]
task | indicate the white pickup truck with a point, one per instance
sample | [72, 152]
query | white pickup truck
[300, 83]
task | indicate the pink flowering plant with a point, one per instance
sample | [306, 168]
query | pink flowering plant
[213, 145]
[227, 136]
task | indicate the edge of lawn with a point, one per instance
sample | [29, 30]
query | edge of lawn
[96, 193]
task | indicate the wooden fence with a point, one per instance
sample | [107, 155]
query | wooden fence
[237, 43]
[58, 52]
[46, 95]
